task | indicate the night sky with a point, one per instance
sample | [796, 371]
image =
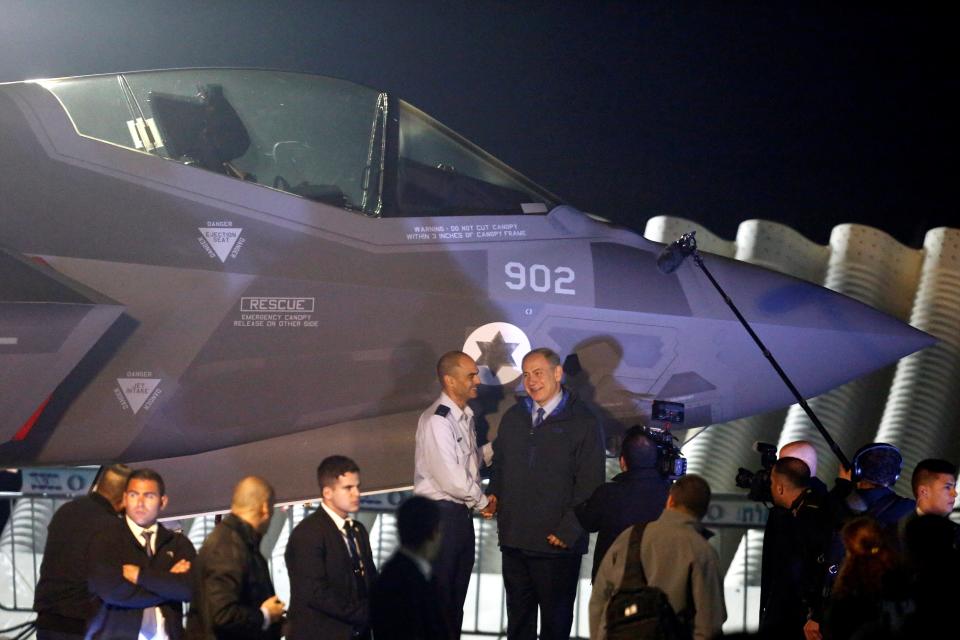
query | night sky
[812, 114]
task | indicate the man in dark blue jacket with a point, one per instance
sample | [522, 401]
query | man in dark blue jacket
[635, 496]
[547, 458]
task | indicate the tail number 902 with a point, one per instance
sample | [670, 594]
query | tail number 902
[539, 278]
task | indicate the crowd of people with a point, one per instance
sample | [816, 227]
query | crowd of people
[856, 559]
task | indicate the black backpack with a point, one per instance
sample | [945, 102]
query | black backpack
[638, 611]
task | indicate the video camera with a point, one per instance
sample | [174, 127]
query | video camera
[670, 460]
[758, 482]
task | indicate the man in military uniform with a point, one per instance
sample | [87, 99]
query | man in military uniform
[448, 471]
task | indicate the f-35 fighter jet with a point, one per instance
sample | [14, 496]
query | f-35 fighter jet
[271, 264]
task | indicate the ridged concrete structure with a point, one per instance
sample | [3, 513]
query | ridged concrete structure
[921, 414]
[913, 405]
[870, 266]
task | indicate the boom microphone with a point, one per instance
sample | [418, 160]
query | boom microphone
[676, 252]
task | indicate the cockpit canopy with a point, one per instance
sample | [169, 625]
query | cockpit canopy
[319, 138]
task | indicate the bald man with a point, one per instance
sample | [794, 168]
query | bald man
[233, 594]
[447, 470]
[802, 450]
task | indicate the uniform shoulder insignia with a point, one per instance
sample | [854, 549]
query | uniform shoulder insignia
[442, 410]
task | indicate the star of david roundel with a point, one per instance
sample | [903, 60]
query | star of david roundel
[498, 348]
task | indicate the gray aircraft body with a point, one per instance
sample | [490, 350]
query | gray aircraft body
[242, 271]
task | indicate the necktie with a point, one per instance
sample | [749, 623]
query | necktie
[148, 626]
[354, 548]
[539, 420]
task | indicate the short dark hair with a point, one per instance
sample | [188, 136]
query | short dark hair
[332, 468]
[149, 475]
[550, 355]
[925, 471]
[692, 493]
[794, 470]
[637, 449]
[111, 482]
[448, 362]
[418, 520]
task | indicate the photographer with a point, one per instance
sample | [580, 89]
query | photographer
[801, 537]
[637, 495]
[782, 609]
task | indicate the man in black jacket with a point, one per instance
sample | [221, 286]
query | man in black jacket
[329, 561]
[404, 604]
[934, 484]
[63, 603]
[233, 596]
[547, 458]
[804, 537]
[783, 600]
[139, 569]
[635, 496]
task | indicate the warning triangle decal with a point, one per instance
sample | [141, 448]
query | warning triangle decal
[221, 239]
[137, 390]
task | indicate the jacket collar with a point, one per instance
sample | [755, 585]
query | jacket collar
[566, 399]
[248, 533]
[100, 501]
[631, 475]
[676, 518]
[455, 411]
[335, 518]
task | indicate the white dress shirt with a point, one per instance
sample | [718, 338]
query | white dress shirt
[340, 522]
[137, 531]
[447, 461]
[547, 407]
[421, 563]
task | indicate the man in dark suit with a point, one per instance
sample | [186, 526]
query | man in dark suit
[139, 569]
[63, 603]
[329, 561]
[233, 595]
[404, 604]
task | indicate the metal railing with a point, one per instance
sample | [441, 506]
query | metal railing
[24, 536]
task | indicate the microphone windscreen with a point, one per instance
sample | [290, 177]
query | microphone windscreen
[670, 258]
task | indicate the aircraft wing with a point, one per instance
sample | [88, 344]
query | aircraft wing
[48, 324]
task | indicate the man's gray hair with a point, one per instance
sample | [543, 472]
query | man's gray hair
[550, 355]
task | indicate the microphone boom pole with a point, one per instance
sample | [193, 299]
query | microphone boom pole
[687, 245]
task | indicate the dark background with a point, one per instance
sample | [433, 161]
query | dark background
[812, 114]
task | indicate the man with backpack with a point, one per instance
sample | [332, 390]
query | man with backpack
[662, 580]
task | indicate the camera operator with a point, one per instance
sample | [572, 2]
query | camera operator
[637, 495]
[780, 598]
[796, 549]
